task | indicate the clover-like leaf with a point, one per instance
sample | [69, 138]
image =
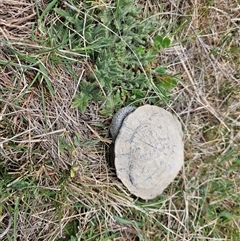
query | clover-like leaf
[161, 42]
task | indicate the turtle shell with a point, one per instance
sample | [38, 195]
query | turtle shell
[149, 151]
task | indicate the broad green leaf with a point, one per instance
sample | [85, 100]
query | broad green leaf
[21, 184]
[161, 70]
[161, 42]
[81, 101]
[226, 215]
[138, 93]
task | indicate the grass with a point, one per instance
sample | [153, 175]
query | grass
[55, 183]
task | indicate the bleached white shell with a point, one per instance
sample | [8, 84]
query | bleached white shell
[149, 151]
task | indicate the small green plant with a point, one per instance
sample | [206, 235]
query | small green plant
[123, 49]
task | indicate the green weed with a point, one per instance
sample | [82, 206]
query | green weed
[123, 50]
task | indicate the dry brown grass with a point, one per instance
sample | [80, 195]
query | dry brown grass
[43, 139]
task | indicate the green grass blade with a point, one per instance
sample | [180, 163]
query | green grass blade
[47, 9]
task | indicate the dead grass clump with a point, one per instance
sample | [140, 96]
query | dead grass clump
[207, 94]
[16, 19]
